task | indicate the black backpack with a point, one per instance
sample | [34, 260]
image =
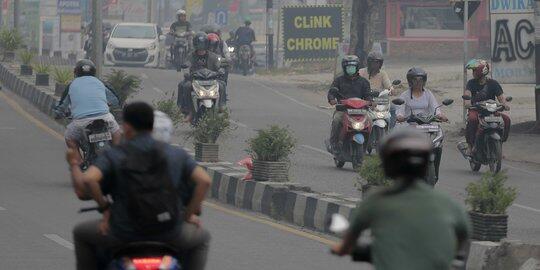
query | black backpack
[152, 200]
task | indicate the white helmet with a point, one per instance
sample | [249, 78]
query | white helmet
[163, 127]
[180, 12]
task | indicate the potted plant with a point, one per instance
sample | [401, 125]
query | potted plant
[42, 74]
[63, 77]
[270, 150]
[205, 135]
[169, 107]
[123, 84]
[26, 59]
[488, 200]
[10, 40]
[372, 176]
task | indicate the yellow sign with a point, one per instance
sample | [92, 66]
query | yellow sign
[70, 23]
[194, 7]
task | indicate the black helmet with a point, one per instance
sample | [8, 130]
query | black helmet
[200, 41]
[405, 153]
[375, 56]
[416, 72]
[84, 67]
[350, 60]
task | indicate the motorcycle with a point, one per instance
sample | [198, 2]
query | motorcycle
[488, 142]
[356, 130]
[380, 114]
[205, 92]
[178, 50]
[139, 255]
[98, 138]
[244, 59]
[232, 53]
[428, 124]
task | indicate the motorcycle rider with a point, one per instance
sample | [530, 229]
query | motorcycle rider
[200, 58]
[87, 99]
[231, 41]
[116, 227]
[245, 35]
[181, 25]
[348, 85]
[220, 47]
[482, 88]
[378, 79]
[413, 226]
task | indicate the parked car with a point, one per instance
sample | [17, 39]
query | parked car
[134, 44]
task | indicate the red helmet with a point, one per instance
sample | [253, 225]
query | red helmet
[479, 67]
[214, 41]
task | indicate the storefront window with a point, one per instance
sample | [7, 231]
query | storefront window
[429, 20]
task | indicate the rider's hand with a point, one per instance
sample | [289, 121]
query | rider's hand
[104, 223]
[72, 158]
[442, 118]
[332, 102]
[337, 249]
[506, 107]
[194, 219]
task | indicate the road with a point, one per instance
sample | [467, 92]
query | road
[256, 103]
[38, 211]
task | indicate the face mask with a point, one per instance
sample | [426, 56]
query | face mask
[350, 70]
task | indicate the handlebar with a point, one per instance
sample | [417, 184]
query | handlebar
[88, 209]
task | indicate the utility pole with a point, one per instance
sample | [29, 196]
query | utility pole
[465, 50]
[148, 11]
[16, 14]
[537, 66]
[269, 34]
[97, 38]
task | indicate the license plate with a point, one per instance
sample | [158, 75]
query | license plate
[428, 128]
[380, 100]
[356, 111]
[100, 137]
[492, 119]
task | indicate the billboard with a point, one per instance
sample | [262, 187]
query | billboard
[512, 41]
[311, 32]
[69, 6]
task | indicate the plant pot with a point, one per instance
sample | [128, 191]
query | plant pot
[9, 56]
[26, 70]
[207, 152]
[59, 89]
[489, 227]
[270, 171]
[42, 79]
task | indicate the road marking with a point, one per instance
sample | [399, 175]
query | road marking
[144, 76]
[521, 170]
[526, 207]
[238, 123]
[291, 98]
[317, 150]
[59, 240]
[272, 224]
[159, 90]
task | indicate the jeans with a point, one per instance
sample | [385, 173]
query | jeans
[473, 122]
[392, 115]
[189, 239]
[337, 123]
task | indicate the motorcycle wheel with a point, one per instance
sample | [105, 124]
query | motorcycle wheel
[430, 177]
[339, 164]
[245, 69]
[474, 166]
[357, 156]
[495, 148]
[375, 139]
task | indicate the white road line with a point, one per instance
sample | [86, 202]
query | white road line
[59, 240]
[144, 76]
[158, 90]
[316, 150]
[292, 99]
[238, 123]
[526, 207]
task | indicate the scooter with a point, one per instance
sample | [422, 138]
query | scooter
[356, 130]
[140, 255]
[98, 138]
[488, 142]
[428, 124]
[244, 59]
[380, 114]
[205, 94]
[178, 50]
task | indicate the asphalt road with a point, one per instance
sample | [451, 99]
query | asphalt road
[38, 211]
[256, 103]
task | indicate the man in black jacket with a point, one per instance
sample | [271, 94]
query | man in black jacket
[348, 85]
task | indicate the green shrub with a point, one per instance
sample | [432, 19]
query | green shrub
[41, 68]
[210, 127]
[169, 107]
[26, 57]
[10, 39]
[489, 195]
[272, 144]
[124, 85]
[62, 75]
[372, 173]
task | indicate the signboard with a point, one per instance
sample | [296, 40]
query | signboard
[69, 6]
[512, 41]
[70, 23]
[222, 17]
[312, 32]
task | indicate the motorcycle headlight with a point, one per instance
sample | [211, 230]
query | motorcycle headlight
[491, 107]
[231, 49]
[201, 93]
[357, 125]
[380, 115]
[152, 46]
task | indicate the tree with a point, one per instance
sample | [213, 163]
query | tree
[360, 27]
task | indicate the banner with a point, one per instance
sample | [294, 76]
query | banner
[311, 32]
[69, 6]
[512, 41]
[70, 23]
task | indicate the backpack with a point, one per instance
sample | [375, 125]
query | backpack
[152, 200]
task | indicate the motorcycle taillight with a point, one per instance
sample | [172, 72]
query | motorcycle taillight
[153, 263]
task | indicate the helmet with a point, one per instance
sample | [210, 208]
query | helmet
[213, 41]
[350, 60]
[200, 41]
[405, 153]
[375, 56]
[479, 67]
[180, 12]
[84, 67]
[163, 127]
[247, 22]
[416, 72]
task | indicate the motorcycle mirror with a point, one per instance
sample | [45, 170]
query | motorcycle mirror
[340, 108]
[398, 101]
[466, 97]
[396, 82]
[508, 99]
[447, 102]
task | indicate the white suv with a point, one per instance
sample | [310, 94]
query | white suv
[134, 44]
